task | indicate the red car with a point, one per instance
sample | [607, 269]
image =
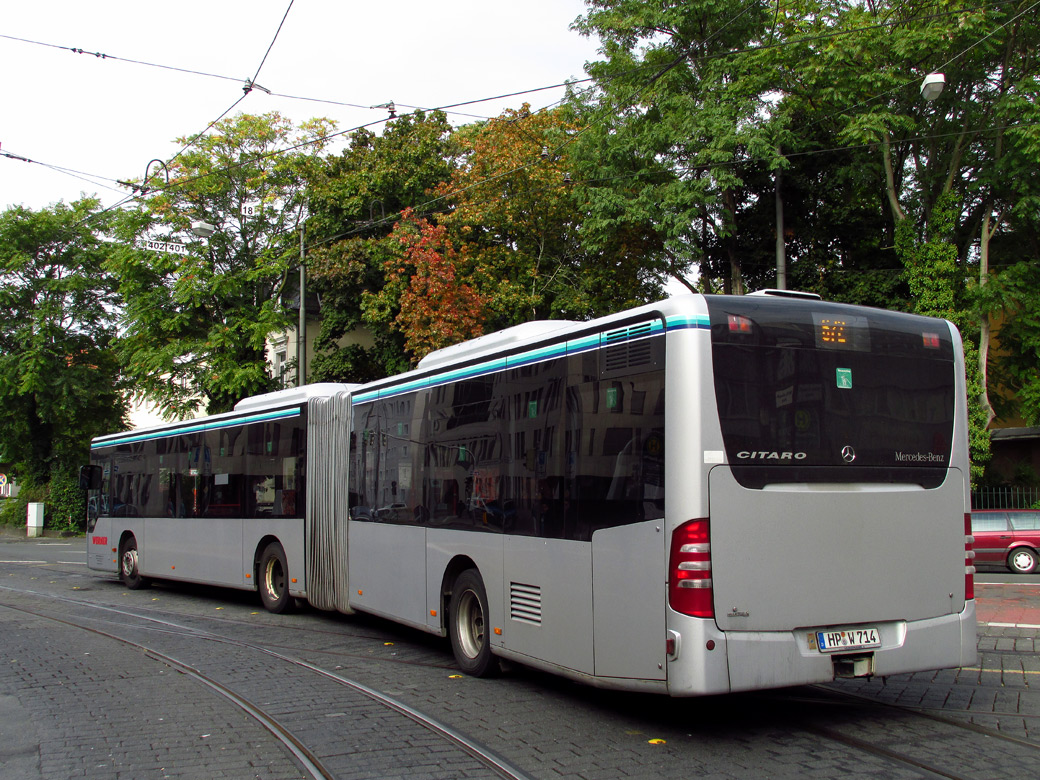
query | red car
[1009, 537]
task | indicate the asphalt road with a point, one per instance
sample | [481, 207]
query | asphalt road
[177, 681]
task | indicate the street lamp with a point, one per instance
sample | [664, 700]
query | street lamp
[932, 86]
[203, 229]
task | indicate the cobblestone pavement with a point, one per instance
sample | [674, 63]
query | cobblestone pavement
[77, 704]
[84, 706]
[1002, 691]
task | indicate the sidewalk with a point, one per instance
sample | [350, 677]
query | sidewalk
[18, 533]
[1008, 606]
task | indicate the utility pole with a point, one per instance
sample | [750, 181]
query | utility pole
[781, 258]
[301, 330]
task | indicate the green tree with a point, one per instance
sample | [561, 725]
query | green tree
[196, 324]
[516, 211]
[677, 123]
[356, 199]
[707, 113]
[1013, 296]
[59, 377]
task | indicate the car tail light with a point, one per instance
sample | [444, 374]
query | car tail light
[689, 582]
[969, 560]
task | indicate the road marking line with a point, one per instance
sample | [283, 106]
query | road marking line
[1011, 625]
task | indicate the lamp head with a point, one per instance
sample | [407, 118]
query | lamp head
[203, 229]
[932, 86]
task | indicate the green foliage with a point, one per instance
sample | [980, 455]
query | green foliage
[13, 511]
[520, 221]
[356, 199]
[939, 290]
[669, 137]
[698, 108]
[66, 502]
[1014, 294]
[196, 324]
[930, 266]
[59, 379]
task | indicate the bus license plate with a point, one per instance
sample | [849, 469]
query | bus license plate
[841, 639]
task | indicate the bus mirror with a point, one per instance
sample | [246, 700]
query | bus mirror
[90, 477]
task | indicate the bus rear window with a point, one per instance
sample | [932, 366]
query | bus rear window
[809, 391]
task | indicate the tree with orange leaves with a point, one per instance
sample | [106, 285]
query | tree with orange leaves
[434, 306]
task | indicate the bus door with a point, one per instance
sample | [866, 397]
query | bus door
[628, 572]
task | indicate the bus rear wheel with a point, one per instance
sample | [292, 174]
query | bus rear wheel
[129, 571]
[468, 613]
[273, 580]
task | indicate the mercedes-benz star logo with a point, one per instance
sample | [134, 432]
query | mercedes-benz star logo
[848, 454]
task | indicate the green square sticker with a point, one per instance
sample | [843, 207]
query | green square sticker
[843, 378]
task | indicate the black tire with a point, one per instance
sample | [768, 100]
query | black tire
[1022, 560]
[129, 565]
[469, 622]
[273, 580]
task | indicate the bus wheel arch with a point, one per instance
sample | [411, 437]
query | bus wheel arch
[455, 567]
[272, 577]
[129, 563]
[469, 625]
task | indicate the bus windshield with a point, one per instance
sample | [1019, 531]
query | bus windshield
[809, 392]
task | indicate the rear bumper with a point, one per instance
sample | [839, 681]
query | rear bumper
[753, 660]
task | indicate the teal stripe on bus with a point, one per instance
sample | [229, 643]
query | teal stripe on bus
[206, 425]
[570, 347]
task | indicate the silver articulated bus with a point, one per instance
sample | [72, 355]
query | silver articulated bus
[702, 495]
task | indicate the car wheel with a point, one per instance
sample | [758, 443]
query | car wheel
[1022, 560]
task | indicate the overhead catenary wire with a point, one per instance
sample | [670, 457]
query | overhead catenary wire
[900, 87]
[448, 108]
[275, 38]
[513, 94]
[425, 207]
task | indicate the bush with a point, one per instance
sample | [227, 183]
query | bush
[65, 504]
[12, 511]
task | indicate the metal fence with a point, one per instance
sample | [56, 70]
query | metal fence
[1005, 498]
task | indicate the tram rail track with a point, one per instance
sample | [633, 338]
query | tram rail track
[308, 760]
[847, 722]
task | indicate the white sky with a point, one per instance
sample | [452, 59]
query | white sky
[109, 117]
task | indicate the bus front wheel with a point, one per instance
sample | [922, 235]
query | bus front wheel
[468, 612]
[274, 580]
[129, 570]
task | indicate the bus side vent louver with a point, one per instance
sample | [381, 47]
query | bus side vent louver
[627, 349]
[525, 603]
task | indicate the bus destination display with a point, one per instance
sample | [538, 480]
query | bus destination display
[847, 332]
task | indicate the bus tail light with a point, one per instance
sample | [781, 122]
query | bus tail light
[969, 560]
[689, 570]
